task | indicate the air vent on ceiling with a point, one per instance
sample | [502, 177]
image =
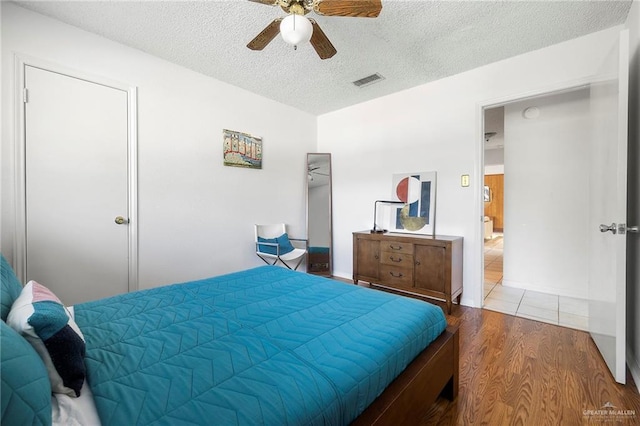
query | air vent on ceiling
[373, 78]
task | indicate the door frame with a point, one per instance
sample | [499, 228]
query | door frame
[478, 175]
[20, 245]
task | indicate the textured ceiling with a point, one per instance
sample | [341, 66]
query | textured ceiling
[411, 43]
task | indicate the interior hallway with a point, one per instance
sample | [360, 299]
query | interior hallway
[549, 308]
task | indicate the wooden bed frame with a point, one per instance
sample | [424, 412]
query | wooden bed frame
[432, 373]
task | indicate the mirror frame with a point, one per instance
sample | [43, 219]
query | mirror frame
[329, 271]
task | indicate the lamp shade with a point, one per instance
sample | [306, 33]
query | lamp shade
[375, 229]
[296, 29]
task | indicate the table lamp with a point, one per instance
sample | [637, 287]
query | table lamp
[375, 229]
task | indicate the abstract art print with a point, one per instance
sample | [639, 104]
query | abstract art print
[418, 192]
[241, 150]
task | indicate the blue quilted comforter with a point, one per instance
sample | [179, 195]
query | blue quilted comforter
[263, 346]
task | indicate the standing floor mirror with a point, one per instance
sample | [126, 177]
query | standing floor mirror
[319, 214]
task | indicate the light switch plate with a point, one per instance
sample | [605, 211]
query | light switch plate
[464, 180]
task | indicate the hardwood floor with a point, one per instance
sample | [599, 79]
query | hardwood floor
[515, 371]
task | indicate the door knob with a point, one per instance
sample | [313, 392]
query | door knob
[612, 228]
[121, 220]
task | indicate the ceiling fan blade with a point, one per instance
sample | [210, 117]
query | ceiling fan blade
[320, 42]
[353, 8]
[265, 35]
[267, 2]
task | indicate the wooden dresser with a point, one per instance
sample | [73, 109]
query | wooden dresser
[417, 264]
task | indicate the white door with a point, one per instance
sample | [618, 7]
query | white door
[608, 208]
[76, 186]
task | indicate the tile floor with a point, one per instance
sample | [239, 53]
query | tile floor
[560, 310]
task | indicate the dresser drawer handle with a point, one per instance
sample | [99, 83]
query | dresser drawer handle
[417, 263]
[393, 259]
[395, 247]
[399, 275]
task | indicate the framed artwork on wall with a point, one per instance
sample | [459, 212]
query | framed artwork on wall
[241, 149]
[487, 193]
[418, 193]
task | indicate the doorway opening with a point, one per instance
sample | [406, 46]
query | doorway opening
[566, 198]
[493, 197]
[535, 203]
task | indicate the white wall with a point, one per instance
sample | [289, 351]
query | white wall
[437, 126]
[633, 217]
[494, 157]
[494, 170]
[546, 195]
[494, 147]
[195, 215]
[494, 123]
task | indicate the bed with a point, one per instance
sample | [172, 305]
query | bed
[263, 346]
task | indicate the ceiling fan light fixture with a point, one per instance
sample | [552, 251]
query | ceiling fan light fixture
[296, 29]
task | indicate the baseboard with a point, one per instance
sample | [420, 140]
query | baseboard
[634, 368]
[343, 275]
[543, 289]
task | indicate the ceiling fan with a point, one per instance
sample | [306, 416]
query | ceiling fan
[315, 171]
[296, 28]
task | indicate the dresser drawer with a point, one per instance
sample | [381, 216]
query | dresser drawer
[393, 246]
[396, 275]
[397, 259]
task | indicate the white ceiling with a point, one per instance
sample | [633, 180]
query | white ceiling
[412, 42]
